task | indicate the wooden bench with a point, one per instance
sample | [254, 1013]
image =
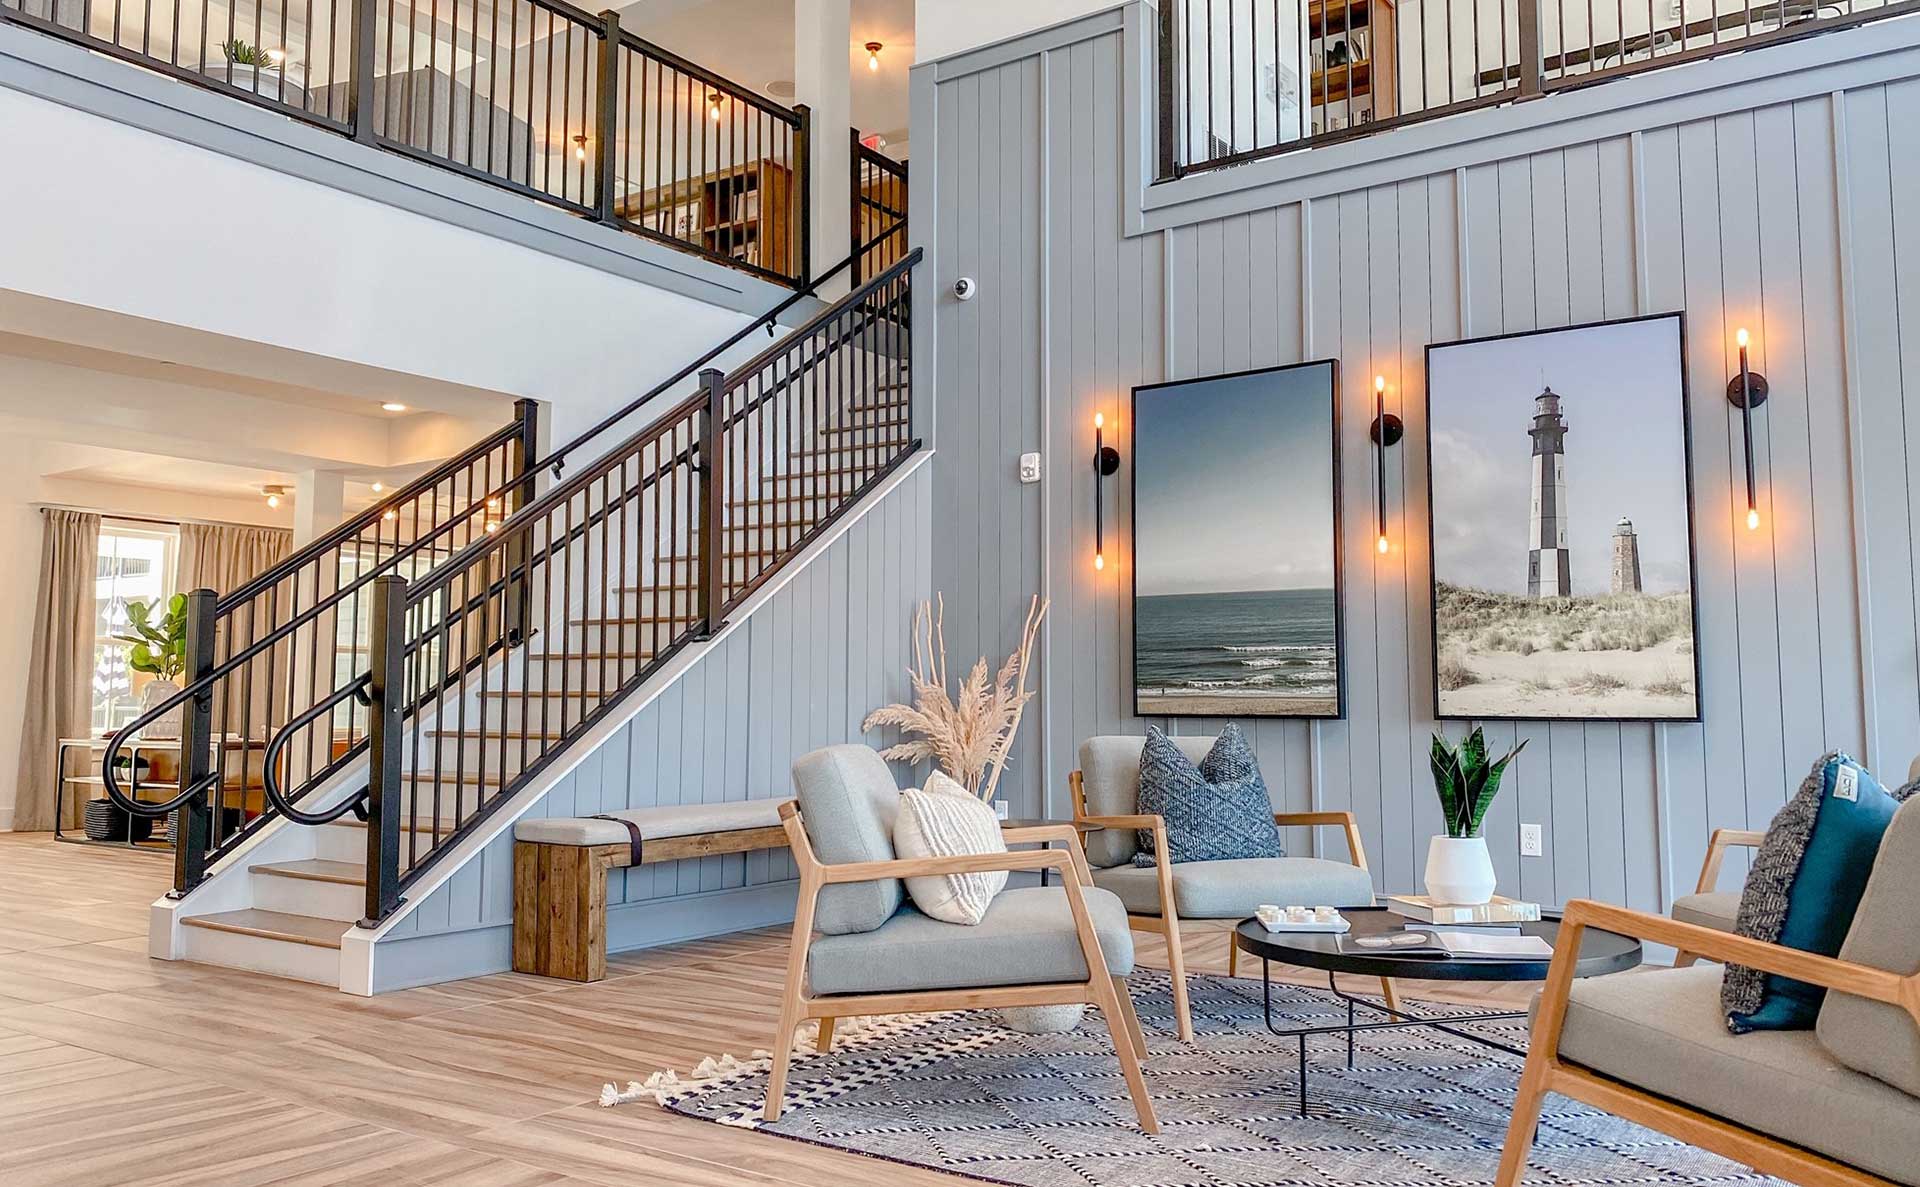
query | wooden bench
[560, 869]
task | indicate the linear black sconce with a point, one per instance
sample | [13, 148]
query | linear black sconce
[1387, 430]
[1747, 391]
[1106, 460]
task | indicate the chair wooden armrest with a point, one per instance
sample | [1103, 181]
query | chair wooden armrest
[1722, 840]
[965, 863]
[1345, 820]
[1041, 834]
[1725, 947]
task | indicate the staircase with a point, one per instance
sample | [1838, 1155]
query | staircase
[429, 682]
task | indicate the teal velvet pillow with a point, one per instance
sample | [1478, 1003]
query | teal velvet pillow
[1805, 886]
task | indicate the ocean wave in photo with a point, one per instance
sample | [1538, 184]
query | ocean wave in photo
[1273, 642]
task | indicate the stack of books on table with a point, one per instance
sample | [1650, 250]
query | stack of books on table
[1498, 914]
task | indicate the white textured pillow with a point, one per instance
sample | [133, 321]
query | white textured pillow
[945, 821]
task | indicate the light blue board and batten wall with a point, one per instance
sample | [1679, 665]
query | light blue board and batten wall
[1765, 189]
[803, 672]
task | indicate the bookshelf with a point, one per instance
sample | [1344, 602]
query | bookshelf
[743, 212]
[1361, 85]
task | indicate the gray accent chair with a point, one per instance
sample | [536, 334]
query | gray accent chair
[1837, 1106]
[875, 954]
[1708, 905]
[1106, 792]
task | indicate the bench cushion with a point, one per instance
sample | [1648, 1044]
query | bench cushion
[847, 802]
[1869, 1036]
[1110, 781]
[1027, 937]
[1664, 1032]
[1232, 889]
[1715, 909]
[667, 820]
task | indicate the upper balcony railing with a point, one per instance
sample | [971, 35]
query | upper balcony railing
[1245, 79]
[535, 96]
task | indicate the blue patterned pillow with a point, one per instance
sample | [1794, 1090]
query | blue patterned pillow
[1215, 811]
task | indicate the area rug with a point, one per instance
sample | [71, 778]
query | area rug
[958, 1093]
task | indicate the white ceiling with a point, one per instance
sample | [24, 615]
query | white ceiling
[751, 42]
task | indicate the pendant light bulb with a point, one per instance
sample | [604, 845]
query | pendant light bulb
[873, 57]
[1753, 519]
[1099, 562]
[1382, 545]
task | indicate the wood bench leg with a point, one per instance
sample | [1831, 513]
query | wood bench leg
[560, 911]
[825, 1042]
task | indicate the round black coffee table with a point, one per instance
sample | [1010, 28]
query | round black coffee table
[1600, 953]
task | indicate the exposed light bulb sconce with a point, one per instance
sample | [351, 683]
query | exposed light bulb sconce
[580, 147]
[1385, 432]
[873, 56]
[274, 495]
[1747, 391]
[713, 106]
[1106, 461]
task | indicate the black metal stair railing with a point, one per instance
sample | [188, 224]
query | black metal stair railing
[539, 97]
[282, 651]
[486, 670]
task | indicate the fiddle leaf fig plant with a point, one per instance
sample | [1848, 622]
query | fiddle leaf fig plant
[159, 645]
[1466, 781]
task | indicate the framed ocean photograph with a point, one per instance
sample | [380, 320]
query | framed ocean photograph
[1559, 467]
[1236, 564]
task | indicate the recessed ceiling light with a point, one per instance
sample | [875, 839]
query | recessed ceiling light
[781, 88]
[378, 487]
[393, 406]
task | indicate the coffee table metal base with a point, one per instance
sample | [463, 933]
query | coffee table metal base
[1395, 1019]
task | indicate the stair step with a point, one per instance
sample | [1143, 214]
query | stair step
[810, 475]
[344, 873]
[544, 693]
[494, 735]
[418, 824]
[273, 925]
[634, 620]
[870, 426]
[588, 656]
[889, 406]
[849, 447]
[778, 525]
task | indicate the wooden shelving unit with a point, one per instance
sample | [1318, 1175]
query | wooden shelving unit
[744, 212]
[1355, 86]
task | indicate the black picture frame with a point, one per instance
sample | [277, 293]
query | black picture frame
[1332, 367]
[1679, 318]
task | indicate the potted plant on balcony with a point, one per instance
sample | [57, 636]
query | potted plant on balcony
[1459, 869]
[160, 650]
[264, 72]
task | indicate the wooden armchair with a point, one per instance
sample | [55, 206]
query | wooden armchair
[1160, 898]
[909, 989]
[1627, 1023]
[1708, 905]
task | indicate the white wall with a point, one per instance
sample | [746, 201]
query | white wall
[945, 27]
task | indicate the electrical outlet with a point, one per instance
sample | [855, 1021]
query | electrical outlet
[1029, 467]
[1532, 842]
[1000, 809]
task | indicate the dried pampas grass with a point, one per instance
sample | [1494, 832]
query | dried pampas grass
[970, 732]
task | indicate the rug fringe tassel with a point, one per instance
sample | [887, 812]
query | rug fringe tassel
[663, 1087]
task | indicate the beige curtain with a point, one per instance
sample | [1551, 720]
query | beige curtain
[222, 557]
[59, 677]
[253, 701]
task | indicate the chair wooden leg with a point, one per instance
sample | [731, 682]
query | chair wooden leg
[1103, 994]
[782, 1055]
[1527, 1100]
[1233, 954]
[1177, 968]
[825, 1042]
[1387, 993]
[1132, 1016]
[1683, 960]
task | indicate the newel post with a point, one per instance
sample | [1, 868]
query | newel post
[387, 742]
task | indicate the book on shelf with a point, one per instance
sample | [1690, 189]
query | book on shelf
[1437, 943]
[1497, 910]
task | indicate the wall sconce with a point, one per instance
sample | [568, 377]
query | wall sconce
[1106, 460]
[873, 56]
[1747, 391]
[1387, 430]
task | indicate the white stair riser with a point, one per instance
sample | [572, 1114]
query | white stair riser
[537, 713]
[621, 636]
[573, 673]
[306, 896]
[341, 843]
[260, 954]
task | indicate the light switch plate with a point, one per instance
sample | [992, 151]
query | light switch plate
[1532, 842]
[1029, 467]
[1000, 809]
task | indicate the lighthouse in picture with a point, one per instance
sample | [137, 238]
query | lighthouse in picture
[1626, 558]
[1547, 568]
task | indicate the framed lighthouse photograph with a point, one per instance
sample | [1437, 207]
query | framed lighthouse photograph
[1559, 466]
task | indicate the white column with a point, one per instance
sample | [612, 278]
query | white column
[823, 80]
[319, 504]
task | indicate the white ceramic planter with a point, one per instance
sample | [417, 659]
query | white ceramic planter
[167, 725]
[1459, 870]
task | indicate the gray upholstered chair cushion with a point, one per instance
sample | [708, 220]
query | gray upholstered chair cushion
[1664, 1032]
[1868, 1036]
[1110, 780]
[847, 803]
[667, 820]
[1715, 909]
[1232, 889]
[1027, 938]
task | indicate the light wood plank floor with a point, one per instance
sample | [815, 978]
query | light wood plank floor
[117, 1069]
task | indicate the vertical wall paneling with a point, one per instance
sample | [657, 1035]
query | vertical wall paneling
[1786, 218]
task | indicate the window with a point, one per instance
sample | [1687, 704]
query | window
[136, 564]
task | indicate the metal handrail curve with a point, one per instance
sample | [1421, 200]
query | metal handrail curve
[356, 804]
